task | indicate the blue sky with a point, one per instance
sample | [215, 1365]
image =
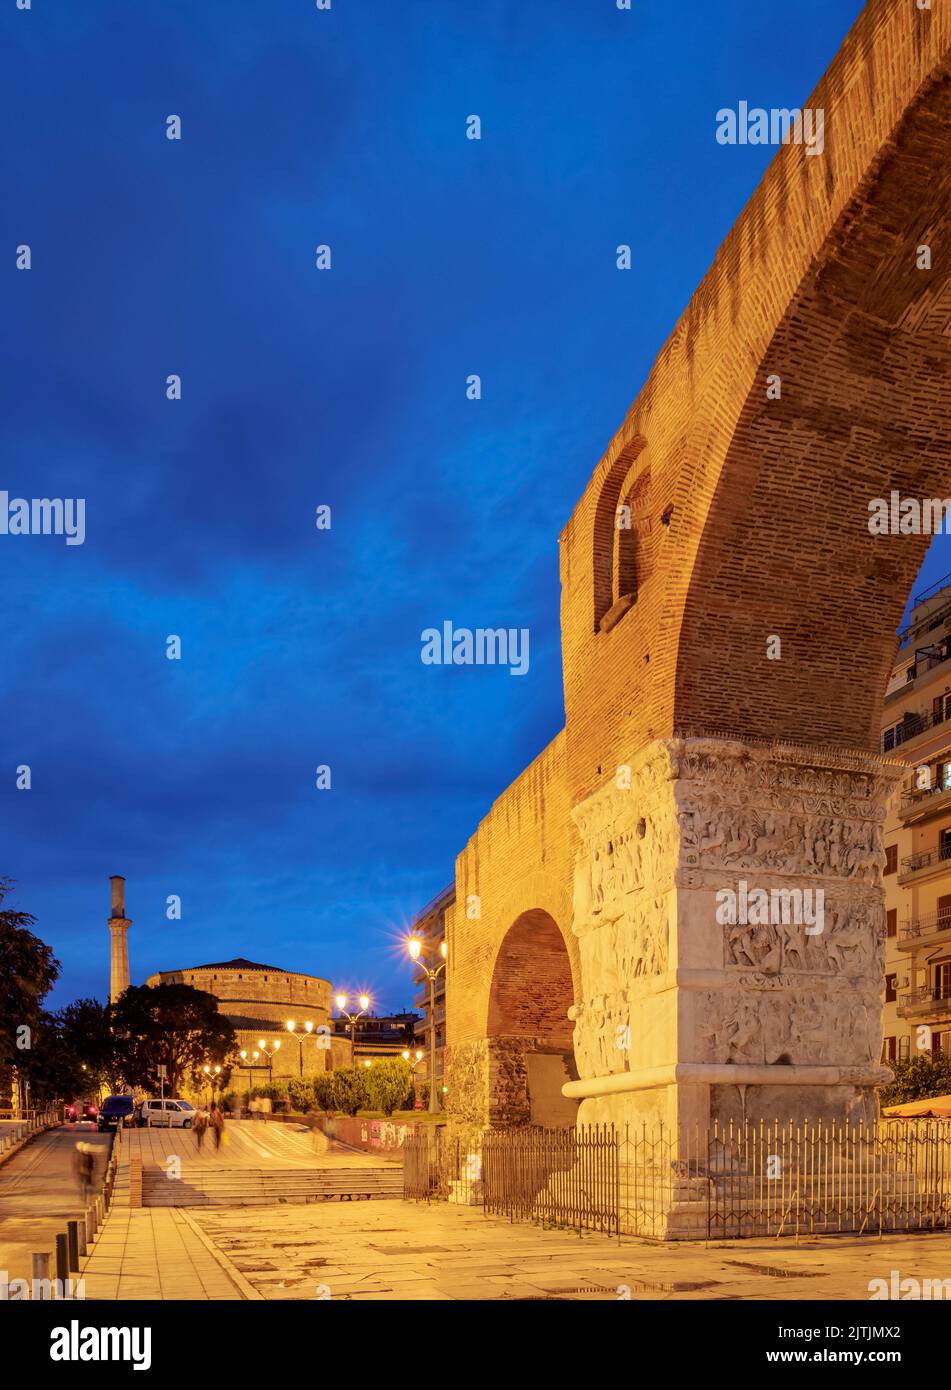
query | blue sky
[301, 388]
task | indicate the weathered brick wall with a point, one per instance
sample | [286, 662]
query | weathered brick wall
[520, 859]
[816, 282]
[749, 515]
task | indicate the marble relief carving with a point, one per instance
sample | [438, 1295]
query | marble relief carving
[701, 814]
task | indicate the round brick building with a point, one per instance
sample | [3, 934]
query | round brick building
[259, 1000]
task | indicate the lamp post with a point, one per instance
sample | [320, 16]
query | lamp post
[341, 1002]
[415, 948]
[269, 1052]
[414, 1059]
[299, 1038]
[212, 1074]
[250, 1066]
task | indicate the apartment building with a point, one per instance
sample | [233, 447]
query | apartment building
[916, 726]
[429, 925]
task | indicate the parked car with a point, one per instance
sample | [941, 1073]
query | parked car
[115, 1112]
[81, 1110]
[172, 1113]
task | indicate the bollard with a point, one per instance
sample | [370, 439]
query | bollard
[90, 1225]
[81, 1236]
[41, 1275]
[72, 1236]
[98, 1212]
[62, 1261]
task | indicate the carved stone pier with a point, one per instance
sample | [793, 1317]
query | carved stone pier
[729, 912]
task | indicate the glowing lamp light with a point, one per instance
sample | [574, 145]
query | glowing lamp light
[364, 1001]
[341, 1001]
[414, 946]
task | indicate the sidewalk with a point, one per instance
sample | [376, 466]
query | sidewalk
[159, 1253]
[396, 1250]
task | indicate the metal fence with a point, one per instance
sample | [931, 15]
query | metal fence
[723, 1182]
[559, 1177]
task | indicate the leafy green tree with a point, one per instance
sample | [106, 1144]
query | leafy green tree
[348, 1090]
[921, 1077]
[73, 1055]
[301, 1092]
[28, 971]
[323, 1084]
[389, 1083]
[171, 1024]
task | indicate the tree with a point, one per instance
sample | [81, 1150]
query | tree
[348, 1089]
[389, 1084]
[73, 1054]
[301, 1092]
[921, 1077]
[28, 971]
[171, 1024]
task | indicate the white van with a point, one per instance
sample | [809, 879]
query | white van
[173, 1114]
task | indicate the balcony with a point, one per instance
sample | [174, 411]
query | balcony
[912, 725]
[934, 929]
[925, 1003]
[917, 806]
[924, 862]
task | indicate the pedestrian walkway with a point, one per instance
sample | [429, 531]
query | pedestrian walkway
[396, 1250]
[159, 1254]
[248, 1144]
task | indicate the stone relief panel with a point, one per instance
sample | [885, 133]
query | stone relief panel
[701, 813]
[851, 942]
[763, 1024]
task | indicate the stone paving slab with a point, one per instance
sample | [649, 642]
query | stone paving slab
[462, 1254]
[394, 1250]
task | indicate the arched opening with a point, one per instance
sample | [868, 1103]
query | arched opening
[530, 1034]
[606, 530]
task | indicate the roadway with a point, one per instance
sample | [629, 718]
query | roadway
[39, 1192]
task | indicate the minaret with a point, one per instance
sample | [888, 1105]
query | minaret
[119, 924]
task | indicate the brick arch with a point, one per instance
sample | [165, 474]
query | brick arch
[863, 354]
[532, 989]
[527, 1025]
[751, 498]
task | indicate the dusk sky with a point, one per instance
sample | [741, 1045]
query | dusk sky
[344, 387]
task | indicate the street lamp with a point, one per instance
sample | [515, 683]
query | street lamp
[250, 1066]
[414, 1059]
[299, 1038]
[269, 1052]
[415, 948]
[341, 1002]
[212, 1074]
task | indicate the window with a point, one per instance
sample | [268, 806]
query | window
[891, 920]
[622, 524]
[904, 1048]
[944, 910]
[889, 1049]
[891, 993]
[891, 858]
[941, 1042]
[944, 845]
[942, 980]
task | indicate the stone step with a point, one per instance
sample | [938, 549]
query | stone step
[242, 1187]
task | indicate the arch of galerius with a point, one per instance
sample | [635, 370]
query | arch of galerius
[692, 762]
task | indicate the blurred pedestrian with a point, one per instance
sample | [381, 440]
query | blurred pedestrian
[83, 1163]
[199, 1126]
[217, 1121]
